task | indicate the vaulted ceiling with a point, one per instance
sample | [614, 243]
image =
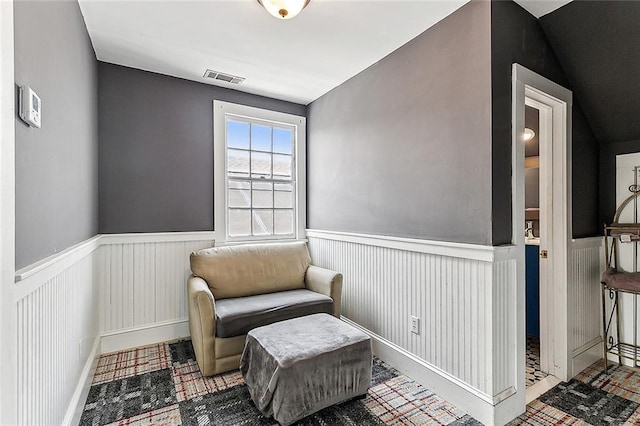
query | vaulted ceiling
[598, 45]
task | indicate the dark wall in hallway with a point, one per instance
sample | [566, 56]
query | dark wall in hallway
[156, 149]
[56, 165]
[597, 43]
[517, 37]
[403, 148]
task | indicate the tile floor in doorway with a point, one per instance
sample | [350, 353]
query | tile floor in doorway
[532, 369]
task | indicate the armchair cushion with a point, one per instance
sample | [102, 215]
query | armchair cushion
[237, 316]
[247, 270]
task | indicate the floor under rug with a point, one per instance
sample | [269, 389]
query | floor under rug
[161, 385]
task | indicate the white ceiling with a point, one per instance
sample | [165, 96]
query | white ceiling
[540, 8]
[296, 60]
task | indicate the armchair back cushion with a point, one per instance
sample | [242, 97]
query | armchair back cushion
[247, 270]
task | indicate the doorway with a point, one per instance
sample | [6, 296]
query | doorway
[552, 105]
[534, 192]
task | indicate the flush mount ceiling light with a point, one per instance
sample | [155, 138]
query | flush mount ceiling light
[284, 9]
[528, 134]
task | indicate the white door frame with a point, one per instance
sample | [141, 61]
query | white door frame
[555, 102]
[8, 332]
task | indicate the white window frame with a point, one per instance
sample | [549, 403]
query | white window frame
[222, 111]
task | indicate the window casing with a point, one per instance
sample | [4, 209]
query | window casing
[259, 174]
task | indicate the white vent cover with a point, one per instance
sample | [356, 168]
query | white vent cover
[228, 78]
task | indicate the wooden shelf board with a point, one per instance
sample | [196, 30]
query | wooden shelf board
[532, 162]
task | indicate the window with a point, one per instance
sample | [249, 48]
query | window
[259, 174]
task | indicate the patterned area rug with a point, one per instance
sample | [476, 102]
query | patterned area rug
[533, 371]
[161, 384]
[592, 398]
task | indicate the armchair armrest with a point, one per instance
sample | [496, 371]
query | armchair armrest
[327, 282]
[202, 323]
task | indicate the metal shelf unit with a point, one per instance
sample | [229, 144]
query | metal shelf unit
[615, 282]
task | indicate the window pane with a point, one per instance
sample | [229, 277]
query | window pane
[260, 165]
[239, 194]
[238, 163]
[262, 194]
[237, 134]
[262, 222]
[283, 222]
[239, 184]
[283, 196]
[282, 166]
[239, 222]
[282, 140]
[260, 137]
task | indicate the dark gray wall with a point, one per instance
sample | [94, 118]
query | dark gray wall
[597, 43]
[156, 149]
[403, 148]
[517, 37]
[56, 165]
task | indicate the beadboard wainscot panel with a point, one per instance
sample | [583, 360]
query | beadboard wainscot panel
[143, 286]
[586, 263]
[464, 296]
[57, 334]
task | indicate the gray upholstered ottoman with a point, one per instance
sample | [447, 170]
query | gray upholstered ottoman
[296, 367]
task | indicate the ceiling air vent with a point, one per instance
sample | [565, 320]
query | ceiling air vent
[233, 79]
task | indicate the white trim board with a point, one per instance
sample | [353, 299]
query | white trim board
[120, 340]
[442, 248]
[56, 262]
[8, 312]
[76, 405]
[156, 237]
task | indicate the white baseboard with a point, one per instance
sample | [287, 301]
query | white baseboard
[587, 355]
[537, 389]
[145, 335]
[76, 406]
[475, 403]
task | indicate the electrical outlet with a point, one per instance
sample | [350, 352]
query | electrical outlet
[415, 325]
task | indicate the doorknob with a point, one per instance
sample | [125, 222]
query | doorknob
[543, 254]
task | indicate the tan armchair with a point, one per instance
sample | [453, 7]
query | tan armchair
[252, 285]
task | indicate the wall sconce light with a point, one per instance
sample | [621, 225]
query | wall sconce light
[528, 134]
[284, 9]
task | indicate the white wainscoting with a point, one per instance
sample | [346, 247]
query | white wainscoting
[463, 295]
[143, 284]
[586, 260]
[56, 333]
[107, 293]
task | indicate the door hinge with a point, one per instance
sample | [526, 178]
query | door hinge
[543, 254]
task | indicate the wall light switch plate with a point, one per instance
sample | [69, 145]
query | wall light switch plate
[30, 107]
